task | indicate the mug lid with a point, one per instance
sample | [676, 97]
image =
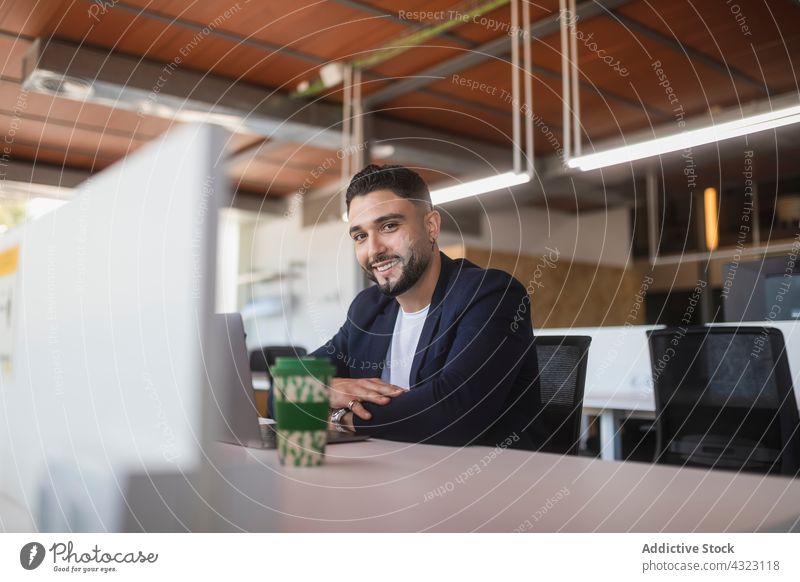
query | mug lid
[306, 366]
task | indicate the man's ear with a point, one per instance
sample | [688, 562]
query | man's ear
[433, 224]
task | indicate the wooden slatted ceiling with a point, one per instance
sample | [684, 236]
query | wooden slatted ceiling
[44, 153]
[30, 18]
[155, 39]
[698, 87]
[12, 50]
[325, 33]
[278, 178]
[81, 114]
[207, 58]
[605, 117]
[337, 33]
[500, 20]
[158, 40]
[473, 32]
[285, 167]
[773, 45]
[240, 47]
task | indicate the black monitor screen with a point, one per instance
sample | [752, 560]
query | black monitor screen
[783, 293]
[766, 289]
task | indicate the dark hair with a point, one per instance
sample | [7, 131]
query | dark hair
[403, 182]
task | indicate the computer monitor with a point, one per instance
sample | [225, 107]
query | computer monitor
[765, 289]
[104, 352]
[785, 285]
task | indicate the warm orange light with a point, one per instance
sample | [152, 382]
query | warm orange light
[712, 218]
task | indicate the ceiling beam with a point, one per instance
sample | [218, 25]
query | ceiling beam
[497, 48]
[375, 11]
[129, 83]
[693, 54]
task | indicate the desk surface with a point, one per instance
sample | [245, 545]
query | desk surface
[379, 486]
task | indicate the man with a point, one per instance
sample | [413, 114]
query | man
[439, 350]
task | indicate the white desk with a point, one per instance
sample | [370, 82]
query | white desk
[618, 377]
[381, 486]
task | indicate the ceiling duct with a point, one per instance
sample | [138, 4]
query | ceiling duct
[123, 82]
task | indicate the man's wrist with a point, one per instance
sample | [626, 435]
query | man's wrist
[338, 422]
[347, 422]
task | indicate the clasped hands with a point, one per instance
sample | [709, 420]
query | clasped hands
[357, 390]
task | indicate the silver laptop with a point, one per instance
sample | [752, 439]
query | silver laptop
[234, 401]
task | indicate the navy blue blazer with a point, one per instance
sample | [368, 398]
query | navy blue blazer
[474, 378]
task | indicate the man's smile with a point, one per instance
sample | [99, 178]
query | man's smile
[384, 267]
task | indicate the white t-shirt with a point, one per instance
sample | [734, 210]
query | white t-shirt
[400, 357]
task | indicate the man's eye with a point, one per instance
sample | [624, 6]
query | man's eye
[390, 226]
[359, 237]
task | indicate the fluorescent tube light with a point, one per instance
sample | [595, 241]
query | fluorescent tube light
[687, 139]
[475, 187]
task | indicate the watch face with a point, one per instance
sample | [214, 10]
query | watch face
[336, 419]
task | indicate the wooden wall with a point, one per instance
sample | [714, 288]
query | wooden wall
[564, 293]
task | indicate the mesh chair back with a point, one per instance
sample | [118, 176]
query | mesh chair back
[724, 399]
[562, 376]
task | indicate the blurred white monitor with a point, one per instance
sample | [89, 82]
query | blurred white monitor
[233, 408]
[109, 305]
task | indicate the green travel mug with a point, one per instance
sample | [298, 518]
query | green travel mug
[301, 402]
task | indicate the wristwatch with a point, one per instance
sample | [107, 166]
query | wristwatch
[336, 419]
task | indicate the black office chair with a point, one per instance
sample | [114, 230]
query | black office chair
[724, 399]
[263, 358]
[562, 377]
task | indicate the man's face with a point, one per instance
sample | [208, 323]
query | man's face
[392, 236]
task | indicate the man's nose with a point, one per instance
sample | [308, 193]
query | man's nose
[376, 248]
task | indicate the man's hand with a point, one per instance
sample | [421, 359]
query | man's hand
[374, 390]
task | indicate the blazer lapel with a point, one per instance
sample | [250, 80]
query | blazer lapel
[432, 319]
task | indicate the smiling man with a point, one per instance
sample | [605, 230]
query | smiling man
[436, 350]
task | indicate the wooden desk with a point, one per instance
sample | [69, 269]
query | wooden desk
[383, 486]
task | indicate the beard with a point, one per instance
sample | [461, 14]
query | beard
[412, 269]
